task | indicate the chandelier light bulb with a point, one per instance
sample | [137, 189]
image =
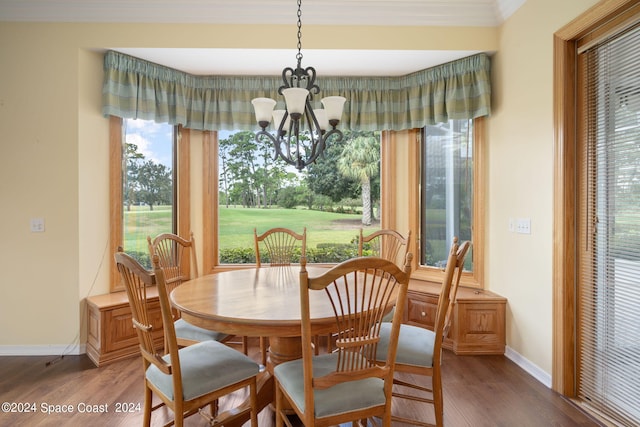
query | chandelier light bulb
[333, 105]
[277, 119]
[321, 116]
[296, 99]
[264, 108]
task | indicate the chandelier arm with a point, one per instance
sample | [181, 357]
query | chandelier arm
[310, 74]
[315, 133]
[323, 141]
[276, 144]
[287, 79]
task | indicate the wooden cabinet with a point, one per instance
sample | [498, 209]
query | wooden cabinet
[478, 320]
[110, 332]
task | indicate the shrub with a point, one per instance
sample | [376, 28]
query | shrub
[237, 256]
[326, 252]
[142, 257]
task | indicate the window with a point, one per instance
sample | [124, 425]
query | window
[447, 179]
[333, 198]
[144, 185]
[446, 190]
[609, 226]
[586, 121]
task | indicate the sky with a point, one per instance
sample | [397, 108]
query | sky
[154, 140]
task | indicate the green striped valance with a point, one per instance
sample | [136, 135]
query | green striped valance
[134, 88]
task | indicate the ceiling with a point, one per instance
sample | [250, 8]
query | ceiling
[482, 13]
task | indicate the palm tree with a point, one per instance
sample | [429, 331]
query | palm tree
[361, 160]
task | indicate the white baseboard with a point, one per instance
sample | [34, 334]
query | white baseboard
[529, 367]
[42, 350]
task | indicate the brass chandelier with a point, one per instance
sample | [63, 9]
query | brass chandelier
[302, 132]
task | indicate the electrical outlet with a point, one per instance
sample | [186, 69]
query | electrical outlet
[524, 226]
[37, 225]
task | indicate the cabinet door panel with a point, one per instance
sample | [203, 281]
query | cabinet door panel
[119, 331]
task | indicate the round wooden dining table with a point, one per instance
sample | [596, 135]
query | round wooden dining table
[256, 302]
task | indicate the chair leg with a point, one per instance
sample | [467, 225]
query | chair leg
[253, 399]
[147, 406]
[178, 414]
[438, 406]
[316, 344]
[263, 350]
[245, 346]
[214, 407]
[279, 398]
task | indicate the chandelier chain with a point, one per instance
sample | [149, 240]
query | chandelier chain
[299, 55]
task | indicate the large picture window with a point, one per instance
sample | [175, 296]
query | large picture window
[332, 198]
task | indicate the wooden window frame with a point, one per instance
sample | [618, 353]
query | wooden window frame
[391, 167]
[183, 191]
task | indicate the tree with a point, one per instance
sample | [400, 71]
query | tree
[361, 160]
[241, 164]
[249, 173]
[132, 162]
[154, 182]
[325, 179]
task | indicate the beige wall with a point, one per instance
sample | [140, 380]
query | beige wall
[54, 161]
[521, 167]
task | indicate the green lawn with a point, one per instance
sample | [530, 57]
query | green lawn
[236, 225]
[141, 222]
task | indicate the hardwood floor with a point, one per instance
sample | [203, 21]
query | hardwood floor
[479, 391]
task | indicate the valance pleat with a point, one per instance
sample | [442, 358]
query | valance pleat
[135, 88]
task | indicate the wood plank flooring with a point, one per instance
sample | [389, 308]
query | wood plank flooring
[479, 391]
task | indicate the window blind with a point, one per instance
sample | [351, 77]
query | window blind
[608, 287]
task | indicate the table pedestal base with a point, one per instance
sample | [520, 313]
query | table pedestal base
[281, 349]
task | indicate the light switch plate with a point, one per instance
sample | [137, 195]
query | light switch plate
[37, 225]
[523, 226]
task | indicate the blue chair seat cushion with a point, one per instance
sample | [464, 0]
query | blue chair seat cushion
[187, 331]
[339, 399]
[415, 345]
[205, 366]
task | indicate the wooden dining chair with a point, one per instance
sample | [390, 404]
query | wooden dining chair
[386, 243]
[347, 384]
[420, 350]
[184, 379]
[281, 246]
[177, 258]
